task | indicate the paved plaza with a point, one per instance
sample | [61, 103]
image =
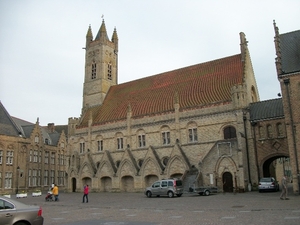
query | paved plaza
[135, 208]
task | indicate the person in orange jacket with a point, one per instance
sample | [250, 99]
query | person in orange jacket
[55, 192]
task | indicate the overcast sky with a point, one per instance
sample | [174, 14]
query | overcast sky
[42, 60]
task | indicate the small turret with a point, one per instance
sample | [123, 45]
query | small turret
[115, 40]
[244, 45]
[89, 36]
[278, 51]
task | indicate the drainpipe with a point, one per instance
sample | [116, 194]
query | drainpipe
[247, 151]
[287, 82]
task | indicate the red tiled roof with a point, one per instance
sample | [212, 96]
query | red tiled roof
[197, 86]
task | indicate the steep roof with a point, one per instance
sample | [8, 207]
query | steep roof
[12, 126]
[195, 86]
[266, 110]
[290, 51]
[7, 125]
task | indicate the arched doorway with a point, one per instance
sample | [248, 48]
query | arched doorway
[127, 184]
[73, 184]
[150, 179]
[227, 182]
[106, 184]
[86, 181]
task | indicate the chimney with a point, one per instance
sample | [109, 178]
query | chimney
[51, 127]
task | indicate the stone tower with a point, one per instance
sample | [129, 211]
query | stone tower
[101, 66]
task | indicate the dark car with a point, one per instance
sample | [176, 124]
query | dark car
[268, 184]
[17, 213]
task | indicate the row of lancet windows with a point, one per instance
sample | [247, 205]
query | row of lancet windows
[229, 132]
[94, 71]
[269, 131]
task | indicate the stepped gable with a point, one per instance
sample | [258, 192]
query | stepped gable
[199, 85]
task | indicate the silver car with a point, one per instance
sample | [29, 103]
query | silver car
[17, 213]
[268, 184]
[169, 187]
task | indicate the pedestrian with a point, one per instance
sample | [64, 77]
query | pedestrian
[55, 192]
[85, 193]
[284, 191]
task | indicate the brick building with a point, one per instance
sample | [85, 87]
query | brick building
[288, 72]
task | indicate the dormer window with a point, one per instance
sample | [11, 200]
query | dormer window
[94, 71]
[109, 74]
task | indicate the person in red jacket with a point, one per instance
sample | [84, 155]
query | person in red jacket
[85, 193]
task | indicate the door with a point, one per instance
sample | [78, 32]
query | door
[227, 182]
[156, 188]
[73, 184]
[164, 187]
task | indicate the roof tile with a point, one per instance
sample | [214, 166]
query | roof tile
[197, 86]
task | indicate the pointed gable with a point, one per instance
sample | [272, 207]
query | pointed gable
[199, 85]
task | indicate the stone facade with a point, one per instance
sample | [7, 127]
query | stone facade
[31, 157]
[130, 153]
[230, 143]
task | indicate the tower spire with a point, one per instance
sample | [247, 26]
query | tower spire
[102, 33]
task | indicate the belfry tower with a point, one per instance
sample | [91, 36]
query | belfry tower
[101, 66]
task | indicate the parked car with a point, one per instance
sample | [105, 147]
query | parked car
[268, 184]
[17, 213]
[169, 187]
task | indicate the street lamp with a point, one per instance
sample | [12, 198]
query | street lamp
[18, 174]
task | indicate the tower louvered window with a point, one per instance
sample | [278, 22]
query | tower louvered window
[109, 75]
[93, 71]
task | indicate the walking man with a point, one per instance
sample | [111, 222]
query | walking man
[284, 191]
[85, 193]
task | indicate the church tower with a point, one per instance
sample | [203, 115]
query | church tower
[101, 66]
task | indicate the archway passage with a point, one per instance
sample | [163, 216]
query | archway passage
[227, 182]
[276, 166]
[73, 184]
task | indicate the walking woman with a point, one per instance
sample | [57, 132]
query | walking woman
[85, 193]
